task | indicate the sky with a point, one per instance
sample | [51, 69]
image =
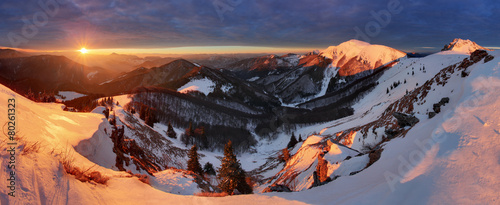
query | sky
[238, 26]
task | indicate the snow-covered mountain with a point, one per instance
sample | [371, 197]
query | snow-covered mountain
[354, 56]
[463, 46]
[297, 79]
[431, 95]
[425, 131]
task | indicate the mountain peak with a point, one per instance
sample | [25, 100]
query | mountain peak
[355, 56]
[463, 46]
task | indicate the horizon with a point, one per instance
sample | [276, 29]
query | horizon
[220, 27]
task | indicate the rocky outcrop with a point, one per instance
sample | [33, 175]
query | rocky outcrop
[437, 106]
[277, 188]
[405, 119]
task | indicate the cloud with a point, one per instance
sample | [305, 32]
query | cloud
[292, 23]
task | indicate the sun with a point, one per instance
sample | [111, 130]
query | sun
[83, 51]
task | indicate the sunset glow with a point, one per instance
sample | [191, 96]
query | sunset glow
[83, 51]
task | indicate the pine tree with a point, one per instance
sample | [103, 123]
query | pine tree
[387, 90]
[185, 139]
[231, 175]
[171, 132]
[208, 168]
[193, 163]
[293, 141]
[300, 138]
[106, 113]
[203, 138]
[188, 137]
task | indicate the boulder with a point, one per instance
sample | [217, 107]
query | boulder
[488, 58]
[405, 119]
[444, 100]
[431, 114]
[436, 107]
[277, 188]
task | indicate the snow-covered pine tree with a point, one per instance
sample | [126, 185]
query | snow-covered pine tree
[171, 132]
[293, 141]
[231, 175]
[208, 168]
[193, 163]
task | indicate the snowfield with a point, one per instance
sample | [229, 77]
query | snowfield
[68, 95]
[204, 85]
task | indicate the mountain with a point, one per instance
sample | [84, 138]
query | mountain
[47, 73]
[427, 140]
[144, 77]
[151, 62]
[354, 56]
[11, 53]
[114, 62]
[412, 130]
[378, 131]
[463, 46]
[265, 63]
[296, 80]
[217, 61]
[184, 76]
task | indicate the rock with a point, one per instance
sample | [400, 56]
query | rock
[436, 107]
[444, 100]
[391, 133]
[488, 58]
[464, 74]
[277, 188]
[405, 119]
[431, 114]
[316, 182]
[477, 55]
[355, 172]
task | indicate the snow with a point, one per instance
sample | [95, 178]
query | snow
[204, 85]
[452, 158]
[449, 159]
[40, 177]
[226, 88]
[175, 182]
[254, 78]
[109, 81]
[367, 53]
[68, 95]
[463, 46]
[91, 75]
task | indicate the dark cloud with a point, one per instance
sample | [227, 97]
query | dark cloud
[291, 23]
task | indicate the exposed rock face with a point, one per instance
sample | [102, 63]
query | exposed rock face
[437, 106]
[405, 119]
[488, 58]
[277, 188]
[316, 182]
[432, 114]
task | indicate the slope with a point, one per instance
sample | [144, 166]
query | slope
[449, 159]
[47, 137]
